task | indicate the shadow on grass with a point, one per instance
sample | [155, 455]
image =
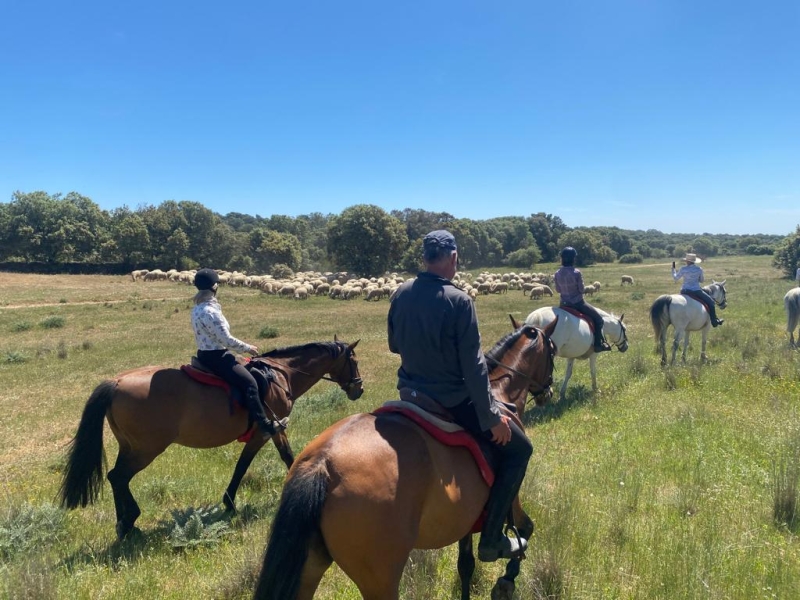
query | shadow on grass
[139, 544]
[577, 395]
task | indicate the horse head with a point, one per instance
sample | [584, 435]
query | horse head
[718, 292]
[527, 364]
[347, 374]
[622, 336]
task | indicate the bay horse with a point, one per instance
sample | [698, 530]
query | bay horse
[685, 314]
[574, 338]
[372, 487]
[791, 301]
[150, 408]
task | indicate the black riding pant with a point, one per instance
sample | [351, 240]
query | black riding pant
[590, 311]
[704, 297]
[224, 364]
[512, 462]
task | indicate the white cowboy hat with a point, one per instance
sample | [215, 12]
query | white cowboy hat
[692, 258]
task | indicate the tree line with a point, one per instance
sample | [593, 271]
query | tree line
[363, 239]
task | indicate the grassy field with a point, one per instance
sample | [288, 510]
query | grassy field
[669, 483]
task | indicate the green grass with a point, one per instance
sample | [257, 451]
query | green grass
[669, 483]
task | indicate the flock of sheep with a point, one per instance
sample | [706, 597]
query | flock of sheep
[343, 286]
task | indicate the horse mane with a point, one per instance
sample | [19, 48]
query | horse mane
[500, 348]
[333, 348]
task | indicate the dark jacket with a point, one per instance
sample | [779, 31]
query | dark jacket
[433, 326]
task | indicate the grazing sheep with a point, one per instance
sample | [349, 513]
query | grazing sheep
[374, 294]
[286, 290]
[589, 289]
[500, 287]
[301, 293]
[138, 274]
[626, 279]
[323, 289]
[484, 288]
[596, 285]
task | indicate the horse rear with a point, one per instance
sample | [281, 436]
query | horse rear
[791, 302]
[370, 520]
[685, 314]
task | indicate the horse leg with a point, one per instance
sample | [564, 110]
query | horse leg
[593, 371]
[685, 346]
[316, 564]
[466, 565]
[281, 441]
[128, 464]
[704, 336]
[662, 343]
[567, 375]
[676, 340]
[251, 448]
[504, 587]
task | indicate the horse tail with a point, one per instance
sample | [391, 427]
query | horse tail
[293, 529]
[659, 315]
[86, 458]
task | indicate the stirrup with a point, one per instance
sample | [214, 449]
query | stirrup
[603, 347]
[273, 427]
[506, 548]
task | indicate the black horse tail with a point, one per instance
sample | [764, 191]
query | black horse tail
[86, 458]
[659, 315]
[295, 526]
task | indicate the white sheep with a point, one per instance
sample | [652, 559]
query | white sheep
[626, 279]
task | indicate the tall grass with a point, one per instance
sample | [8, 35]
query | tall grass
[669, 483]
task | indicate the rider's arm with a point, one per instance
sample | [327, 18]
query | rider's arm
[473, 366]
[216, 327]
[676, 275]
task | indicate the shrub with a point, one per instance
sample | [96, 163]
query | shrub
[27, 527]
[268, 332]
[631, 258]
[21, 326]
[53, 322]
[15, 357]
[281, 271]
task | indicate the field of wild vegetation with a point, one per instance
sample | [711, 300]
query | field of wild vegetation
[669, 483]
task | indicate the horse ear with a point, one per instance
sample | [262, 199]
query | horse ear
[622, 316]
[550, 329]
[354, 344]
[335, 338]
[723, 282]
[514, 323]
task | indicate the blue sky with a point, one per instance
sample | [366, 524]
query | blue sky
[677, 115]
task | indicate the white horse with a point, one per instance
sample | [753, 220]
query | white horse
[792, 303]
[685, 314]
[574, 339]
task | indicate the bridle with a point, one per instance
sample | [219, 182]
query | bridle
[354, 381]
[535, 388]
[622, 340]
[721, 303]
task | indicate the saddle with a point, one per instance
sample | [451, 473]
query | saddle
[263, 375]
[438, 422]
[579, 314]
[698, 297]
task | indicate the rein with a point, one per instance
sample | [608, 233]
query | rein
[542, 388]
[353, 380]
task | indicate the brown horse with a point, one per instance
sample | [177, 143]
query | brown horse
[152, 407]
[371, 488]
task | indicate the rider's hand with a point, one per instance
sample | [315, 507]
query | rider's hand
[673, 265]
[501, 433]
[253, 350]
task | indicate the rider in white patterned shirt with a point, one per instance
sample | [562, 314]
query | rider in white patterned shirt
[214, 342]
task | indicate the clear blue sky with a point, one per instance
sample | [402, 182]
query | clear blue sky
[677, 115]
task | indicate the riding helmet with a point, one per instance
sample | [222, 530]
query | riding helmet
[206, 279]
[569, 254]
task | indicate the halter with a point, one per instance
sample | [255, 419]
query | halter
[540, 388]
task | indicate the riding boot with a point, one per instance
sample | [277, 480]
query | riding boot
[256, 409]
[494, 544]
[712, 313]
[600, 345]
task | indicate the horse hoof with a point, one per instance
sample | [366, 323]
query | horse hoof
[503, 589]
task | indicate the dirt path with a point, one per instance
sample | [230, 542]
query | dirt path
[82, 302]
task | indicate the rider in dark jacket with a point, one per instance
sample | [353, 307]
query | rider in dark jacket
[433, 326]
